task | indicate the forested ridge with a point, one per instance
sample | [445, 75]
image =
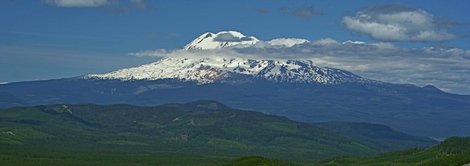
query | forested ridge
[196, 133]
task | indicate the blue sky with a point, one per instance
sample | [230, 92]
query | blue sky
[49, 39]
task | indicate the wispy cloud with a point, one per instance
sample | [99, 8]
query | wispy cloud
[446, 68]
[304, 12]
[307, 12]
[141, 4]
[77, 3]
[262, 10]
[112, 5]
[399, 23]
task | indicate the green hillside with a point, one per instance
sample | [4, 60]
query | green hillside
[202, 129]
[7, 100]
[203, 132]
[454, 151]
[379, 135]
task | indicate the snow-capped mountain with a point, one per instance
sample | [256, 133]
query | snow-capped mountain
[210, 70]
[222, 39]
[296, 89]
[229, 70]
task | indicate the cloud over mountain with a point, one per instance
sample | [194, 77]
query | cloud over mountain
[399, 23]
[228, 37]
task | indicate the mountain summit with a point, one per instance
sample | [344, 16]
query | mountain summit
[205, 70]
[221, 39]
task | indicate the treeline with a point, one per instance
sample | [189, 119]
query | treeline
[455, 145]
[258, 161]
[452, 151]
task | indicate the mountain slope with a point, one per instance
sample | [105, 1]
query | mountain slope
[438, 155]
[381, 135]
[7, 100]
[414, 110]
[203, 128]
[233, 70]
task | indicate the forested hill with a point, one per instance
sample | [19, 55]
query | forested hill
[389, 139]
[454, 151]
[202, 129]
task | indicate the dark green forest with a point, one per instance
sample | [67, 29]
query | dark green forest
[450, 152]
[197, 133]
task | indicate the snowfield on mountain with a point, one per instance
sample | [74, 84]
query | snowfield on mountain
[205, 70]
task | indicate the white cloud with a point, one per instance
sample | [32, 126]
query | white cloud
[152, 53]
[228, 37]
[446, 68]
[325, 41]
[288, 42]
[77, 3]
[399, 23]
